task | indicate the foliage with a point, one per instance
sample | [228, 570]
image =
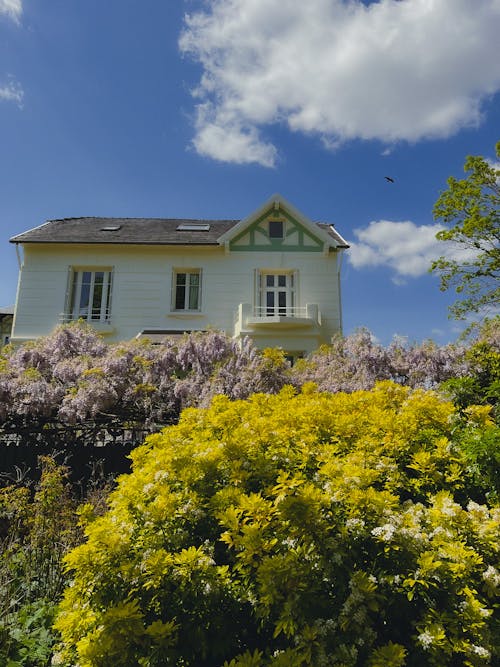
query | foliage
[481, 384]
[71, 376]
[470, 208]
[37, 528]
[35, 534]
[357, 361]
[292, 530]
[27, 638]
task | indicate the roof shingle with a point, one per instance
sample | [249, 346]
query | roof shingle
[137, 231]
[142, 231]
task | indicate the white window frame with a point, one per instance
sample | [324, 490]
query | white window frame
[83, 298]
[193, 286]
[276, 292]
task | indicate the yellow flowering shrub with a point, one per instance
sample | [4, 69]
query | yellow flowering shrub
[291, 530]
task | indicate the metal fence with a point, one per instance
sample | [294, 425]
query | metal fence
[81, 447]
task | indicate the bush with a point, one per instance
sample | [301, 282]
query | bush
[36, 531]
[291, 530]
[38, 526]
[72, 377]
[357, 362]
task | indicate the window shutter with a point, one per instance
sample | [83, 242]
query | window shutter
[66, 317]
[257, 277]
[295, 291]
[110, 293]
[172, 289]
[200, 288]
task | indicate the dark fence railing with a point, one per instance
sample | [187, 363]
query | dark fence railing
[82, 447]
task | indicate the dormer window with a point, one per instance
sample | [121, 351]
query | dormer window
[275, 229]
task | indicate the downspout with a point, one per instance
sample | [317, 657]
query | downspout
[341, 254]
[19, 262]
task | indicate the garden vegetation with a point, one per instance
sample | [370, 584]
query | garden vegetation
[343, 511]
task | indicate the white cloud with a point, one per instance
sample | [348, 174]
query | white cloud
[494, 164]
[11, 8]
[404, 247]
[12, 92]
[390, 70]
[229, 141]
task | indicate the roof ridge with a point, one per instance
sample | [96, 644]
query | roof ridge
[122, 217]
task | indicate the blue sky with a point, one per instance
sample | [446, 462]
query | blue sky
[184, 108]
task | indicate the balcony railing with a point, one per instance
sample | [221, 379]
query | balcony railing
[101, 323]
[250, 318]
[97, 317]
[282, 311]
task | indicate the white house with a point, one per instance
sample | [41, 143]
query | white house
[274, 276]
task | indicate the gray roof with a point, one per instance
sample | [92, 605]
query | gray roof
[136, 231]
[142, 231]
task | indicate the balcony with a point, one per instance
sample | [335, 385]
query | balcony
[101, 321]
[250, 319]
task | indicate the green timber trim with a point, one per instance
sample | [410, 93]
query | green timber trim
[293, 227]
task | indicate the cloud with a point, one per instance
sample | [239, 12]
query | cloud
[12, 92]
[11, 8]
[340, 69]
[230, 141]
[406, 248]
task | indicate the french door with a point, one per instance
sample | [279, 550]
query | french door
[277, 294]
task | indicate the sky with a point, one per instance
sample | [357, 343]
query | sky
[205, 108]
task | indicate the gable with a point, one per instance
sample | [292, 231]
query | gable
[278, 226]
[295, 237]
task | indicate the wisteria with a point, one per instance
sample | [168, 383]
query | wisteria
[72, 376]
[357, 361]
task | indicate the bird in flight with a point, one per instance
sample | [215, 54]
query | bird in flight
[389, 179]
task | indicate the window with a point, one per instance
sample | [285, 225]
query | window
[90, 296]
[193, 227]
[187, 292]
[275, 229]
[293, 357]
[277, 293]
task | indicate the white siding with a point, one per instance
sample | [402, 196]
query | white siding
[142, 278]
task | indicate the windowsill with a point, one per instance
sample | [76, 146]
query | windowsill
[184, 314]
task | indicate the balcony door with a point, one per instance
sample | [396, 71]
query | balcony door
[277, 294]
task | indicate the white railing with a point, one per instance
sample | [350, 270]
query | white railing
[102, 317]
[281, 311]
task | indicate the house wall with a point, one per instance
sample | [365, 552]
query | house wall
[142, 283]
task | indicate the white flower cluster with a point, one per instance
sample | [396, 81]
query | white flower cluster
[355, 525]
[385, 532]
[492, 576]
[426, 639]
[480, 651]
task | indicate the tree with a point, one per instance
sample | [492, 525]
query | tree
[291, 530]
[470, 208]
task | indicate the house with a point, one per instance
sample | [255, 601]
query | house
[274, 276]
[6, 317]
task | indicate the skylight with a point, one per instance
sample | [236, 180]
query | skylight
[193, 227]
[111, 228]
